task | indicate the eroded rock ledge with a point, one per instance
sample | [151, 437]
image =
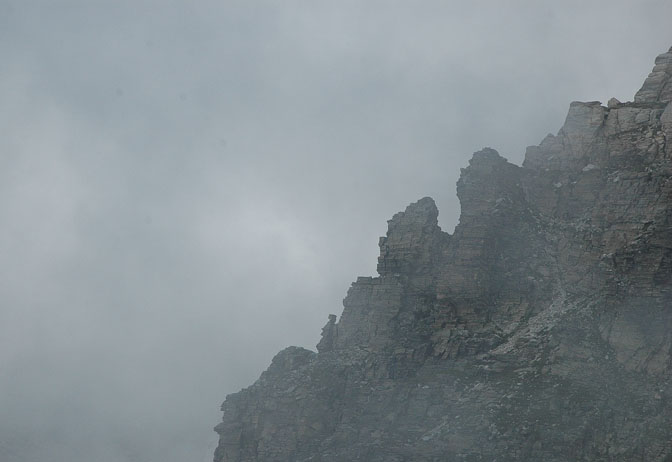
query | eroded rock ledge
[540, 330]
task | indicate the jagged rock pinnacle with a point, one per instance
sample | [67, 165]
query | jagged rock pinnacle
[409, 236]
[658, 86]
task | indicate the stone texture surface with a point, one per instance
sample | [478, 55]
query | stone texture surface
[541, 329]
[658, 85]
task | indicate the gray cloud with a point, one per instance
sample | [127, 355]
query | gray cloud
[186, 189]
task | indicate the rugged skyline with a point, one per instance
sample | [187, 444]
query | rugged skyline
[188, 189]
[538, 330]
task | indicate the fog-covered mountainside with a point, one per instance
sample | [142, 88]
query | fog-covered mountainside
[541, 329]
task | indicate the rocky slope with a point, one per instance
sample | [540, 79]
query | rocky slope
[541, 329]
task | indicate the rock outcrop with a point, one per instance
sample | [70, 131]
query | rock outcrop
[541, 329]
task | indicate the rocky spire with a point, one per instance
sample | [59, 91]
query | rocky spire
[410, 236]
[658, 85]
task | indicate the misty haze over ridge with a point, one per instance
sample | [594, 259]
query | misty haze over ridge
[186, 190]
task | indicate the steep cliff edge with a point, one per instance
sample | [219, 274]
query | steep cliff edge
[541, 329]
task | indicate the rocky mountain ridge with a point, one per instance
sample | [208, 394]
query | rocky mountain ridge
[541, 329]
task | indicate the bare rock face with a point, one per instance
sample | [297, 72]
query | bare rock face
[541, 329]
[658, 85]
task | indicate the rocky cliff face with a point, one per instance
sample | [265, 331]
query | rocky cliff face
[541, 329]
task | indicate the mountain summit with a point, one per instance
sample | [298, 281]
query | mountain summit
[541, 329]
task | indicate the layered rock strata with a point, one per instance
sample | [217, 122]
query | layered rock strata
[541, 329]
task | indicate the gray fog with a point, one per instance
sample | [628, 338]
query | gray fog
[188, 187]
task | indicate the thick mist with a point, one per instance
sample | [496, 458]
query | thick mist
[186, 188]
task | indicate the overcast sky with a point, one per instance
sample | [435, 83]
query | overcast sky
[188, 187]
